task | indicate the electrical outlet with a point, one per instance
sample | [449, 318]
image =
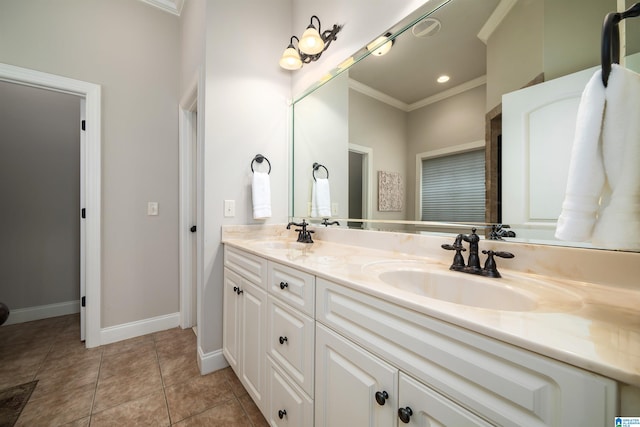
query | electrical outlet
[334, 209]
[152, 208]
[229, 208]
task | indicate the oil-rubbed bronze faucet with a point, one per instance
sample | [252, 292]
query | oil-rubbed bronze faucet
[304, 235]
[326, 223]
[473, 264]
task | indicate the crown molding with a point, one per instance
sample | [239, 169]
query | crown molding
[495, 19]
[172, 6]
[456, 90]
[382, 97]
[376, 94]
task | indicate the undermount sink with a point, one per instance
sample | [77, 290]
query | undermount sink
[510, 293]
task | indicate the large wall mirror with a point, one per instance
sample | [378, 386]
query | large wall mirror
[391, 134]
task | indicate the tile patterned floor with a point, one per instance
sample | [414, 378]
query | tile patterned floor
[151, 380]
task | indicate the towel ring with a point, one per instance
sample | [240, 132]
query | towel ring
[317, 166]
[260, 158]
[610, 53]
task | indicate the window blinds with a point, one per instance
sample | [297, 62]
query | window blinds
[453, 188]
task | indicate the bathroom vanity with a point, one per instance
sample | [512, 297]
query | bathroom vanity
[322, 334]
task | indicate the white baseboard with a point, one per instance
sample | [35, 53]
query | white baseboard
[140, 327]
[211, 362]
[28, 314]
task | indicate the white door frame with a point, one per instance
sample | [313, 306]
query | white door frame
[92, 95]
[367, 177]
[191, 105]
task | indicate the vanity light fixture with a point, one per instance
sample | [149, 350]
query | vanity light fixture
[310, 46]
[378, 47]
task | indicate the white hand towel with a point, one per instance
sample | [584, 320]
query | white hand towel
[320, 198]
[602, 203]
[586, 170]
[618, 225]
[261, 195]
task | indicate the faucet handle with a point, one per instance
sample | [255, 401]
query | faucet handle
[490, 269]
[458, 259]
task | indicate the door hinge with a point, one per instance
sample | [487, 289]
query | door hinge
[84, 301]
[83, 213]
[84, 125]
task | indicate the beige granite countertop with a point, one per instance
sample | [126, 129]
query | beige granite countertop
[593, 326]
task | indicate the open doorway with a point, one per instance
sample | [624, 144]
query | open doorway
[191, 206]
[360, 184]
[86, 198]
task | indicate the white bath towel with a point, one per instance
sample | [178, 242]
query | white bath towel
[602, 201]
[320, 198]
[261, 195]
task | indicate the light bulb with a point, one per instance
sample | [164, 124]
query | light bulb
[311, 43]
[290, 59]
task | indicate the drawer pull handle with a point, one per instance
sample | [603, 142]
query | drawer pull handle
[283, 285]
[282, 340]
[381, 397]
[405, 414]
[237, 290]
[282, 413]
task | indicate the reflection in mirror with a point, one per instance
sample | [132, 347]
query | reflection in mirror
[387, 118]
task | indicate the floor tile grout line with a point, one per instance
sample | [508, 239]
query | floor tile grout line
[95, 389]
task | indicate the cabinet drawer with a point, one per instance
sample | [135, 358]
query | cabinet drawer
[249, 266]
[505, 384]
[293, 287]
[288, 404]
[291, 342]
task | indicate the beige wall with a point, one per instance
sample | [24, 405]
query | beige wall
[383, 128]
[515, 51]
[131, 50]
[40, 193]
[554, 37]
[246, 112]
[453, 121]
[192, 41]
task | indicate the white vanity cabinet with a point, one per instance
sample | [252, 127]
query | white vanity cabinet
[313, 352]
[245, 320]
[462, 375]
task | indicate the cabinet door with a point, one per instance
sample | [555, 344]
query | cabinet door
[253, 335]
[347, 380]
[422, 406]
[231, 318]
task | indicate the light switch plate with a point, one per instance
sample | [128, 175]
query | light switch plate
[229, 208]
[152, 208]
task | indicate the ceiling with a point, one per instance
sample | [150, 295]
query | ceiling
[409, 71]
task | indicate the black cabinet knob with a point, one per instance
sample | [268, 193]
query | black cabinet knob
[284, 285]
[193, 229]
[237, 290]
[381, 397]
[282, 413]
[405, 414]
[282, 340]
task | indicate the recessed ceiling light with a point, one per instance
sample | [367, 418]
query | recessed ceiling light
[443, 79]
